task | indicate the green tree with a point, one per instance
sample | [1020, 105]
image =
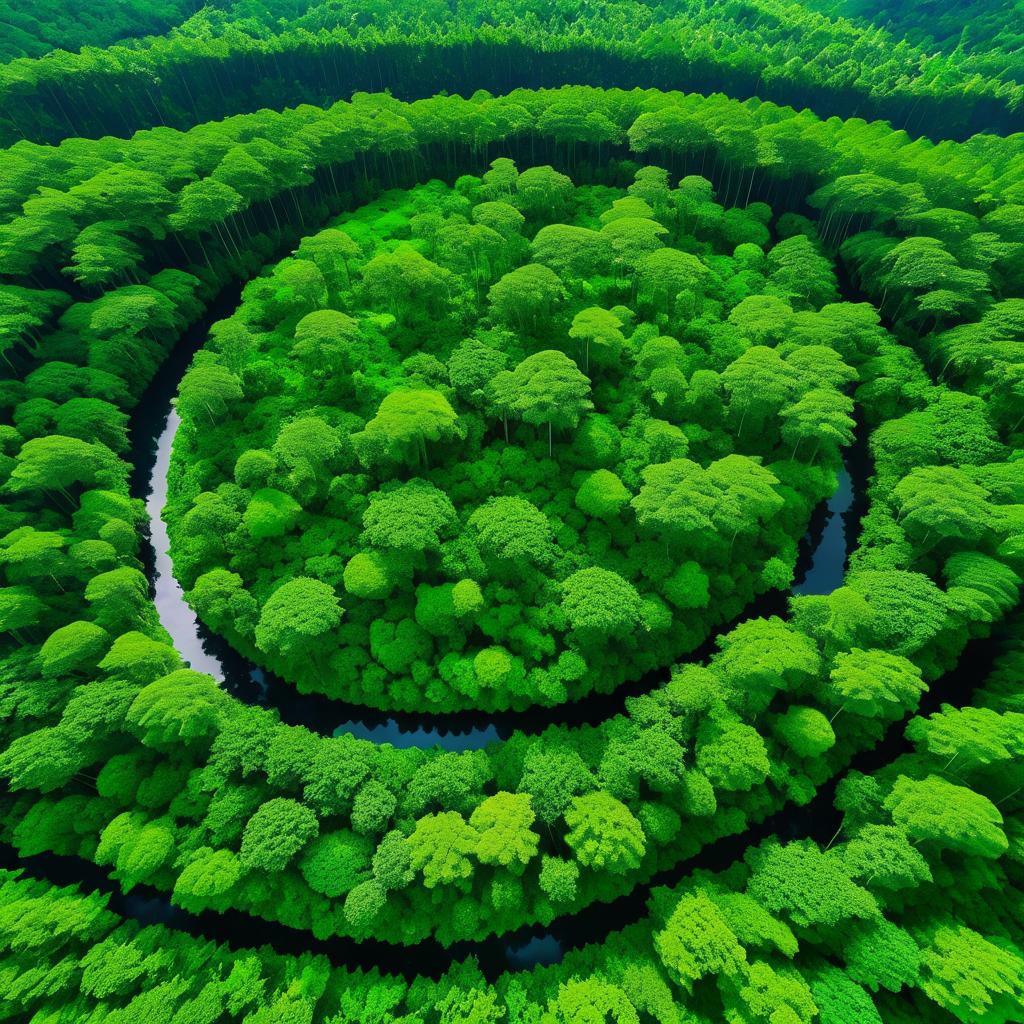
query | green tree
[807, 885]
[296, 617]
[526, 298]
[404, 280]
[366, 576]
[676, 501]
[604, 834]
[600, 328]
[270, 513]
[766, 992]
[118, 598]
[323, 339]
[137, 657]
[44, 760]
[806, 731]
[207, 878]
[799, 273]
[441, 846]
[839, 999]
[221, 600]
[875, 683]
[732, 755]
[182, 707]
[880, 954]
[822, 417]
[602, 495]
[696, 942]
[335, 862]
[665, 274]
[307, 445]
[940, 503]
[950, 816]
[581, 1001]
[549, 388]
[759, 385]
[969, 976]
[73, 648]
[405, 421]
[60, 464]
[503, 822]
[511, 532]
[204, 204]
[600, 604]
[975, 739]
[363, 904]
[558, 879]
[408, 518]
[543, 191]
[273, 836]
[334, 252]
[206, 391]
[553, 776]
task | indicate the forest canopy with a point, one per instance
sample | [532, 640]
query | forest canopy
[835, 58]
[468, 440]
[511, 395]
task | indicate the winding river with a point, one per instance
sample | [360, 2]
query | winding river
[820, 567]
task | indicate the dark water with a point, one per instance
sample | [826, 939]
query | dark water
[538, 951]
[831, 551]
[820, 568]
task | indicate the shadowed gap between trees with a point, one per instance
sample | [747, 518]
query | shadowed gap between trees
[207, 90]
[532, 946]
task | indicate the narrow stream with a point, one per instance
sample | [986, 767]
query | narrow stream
[820, 567]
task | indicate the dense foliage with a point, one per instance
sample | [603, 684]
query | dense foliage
[989, 32]
[897, 921]
[251, 55]
[493, 481]
[524, 396]
[228, 784]
[34, 30]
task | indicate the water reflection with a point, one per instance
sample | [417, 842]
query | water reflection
[540, 951]
[393, 732]
[828, 557]
[175, 614]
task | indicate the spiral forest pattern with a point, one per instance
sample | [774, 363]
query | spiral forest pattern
[512, 514]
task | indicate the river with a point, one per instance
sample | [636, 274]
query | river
[821, 564]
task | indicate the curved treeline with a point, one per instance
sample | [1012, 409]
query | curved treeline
[214, 67]
[32, 30]
[993, 33]
[122, 756]
[895, 920]
[98, 212]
